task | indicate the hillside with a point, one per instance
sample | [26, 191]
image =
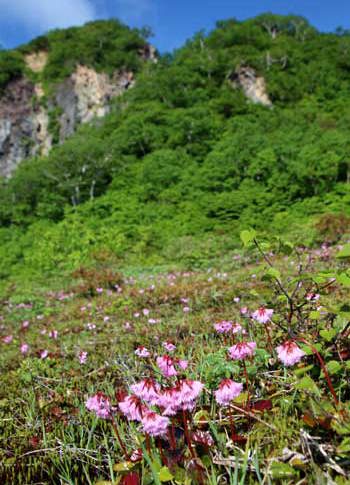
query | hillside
[174, 257]
[244, 126]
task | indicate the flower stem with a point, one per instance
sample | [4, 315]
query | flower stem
[187, 435]
[115, 427]
[323, 366]
[247, 384]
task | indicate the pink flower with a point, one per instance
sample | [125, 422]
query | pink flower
[186, 309]
[90, 326]
[228, 390]
[99, 290]
[242, 350]
[223, 327]
[25, 324]
[169, 400]
[53, 334]
[236, 328]
[183, 364]
[312, 296]
[148, 390]
[99, 403]
[82, 357]
[106, 318]
[44, 354]
[132, 408]
[244, 310]
[262, 314]
[142, 352]
[169, 346]
[8, 339]
[189, 391]
[136, 455]
[24, 348]
[202, 438]
[145, 311]
[154, 424]
[166, 365]
[236, 299]
[180, 397]
[289, 353]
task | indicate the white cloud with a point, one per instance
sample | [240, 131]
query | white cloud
[47, 14]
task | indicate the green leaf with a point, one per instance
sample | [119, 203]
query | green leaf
[286, 247]
[201, 416]
[344, 252]
[124, 466]
[333, 367]
[247, 236]
[165, 475]
[271, 274]
[344, 279]
[328, 335]
[307, 384]
[302, 370]
[281, 470]
[344, 447]
[314, 315]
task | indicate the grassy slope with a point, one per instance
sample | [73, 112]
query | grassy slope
[47, 436]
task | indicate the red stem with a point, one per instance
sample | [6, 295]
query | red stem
[187, 435]
[268, 337]
[115, 427]
[162, 456]
[321, 361]
[247, 383]
[172, 437]
[232, 425]
[148, 444]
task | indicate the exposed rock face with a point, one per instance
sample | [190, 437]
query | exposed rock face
[87, 94]
[25, 120]
[254, 87]
[18, 130]
[36, 61]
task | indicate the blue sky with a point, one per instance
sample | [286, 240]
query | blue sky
[173, 21]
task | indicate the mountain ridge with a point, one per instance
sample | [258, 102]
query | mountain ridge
[185, 160]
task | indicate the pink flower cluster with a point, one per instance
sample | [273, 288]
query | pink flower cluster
[228, 390]
[169, 401]
[167, 365]
[227, 327]
[142, 352]
[99, 403]
[262, 314]
[242, 350]
[181, 397]
[289, 353]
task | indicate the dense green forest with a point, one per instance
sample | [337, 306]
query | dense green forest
[184, 161]
[104, 45]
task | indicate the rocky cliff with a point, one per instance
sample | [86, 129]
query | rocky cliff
[253, 86]
[30, 123]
